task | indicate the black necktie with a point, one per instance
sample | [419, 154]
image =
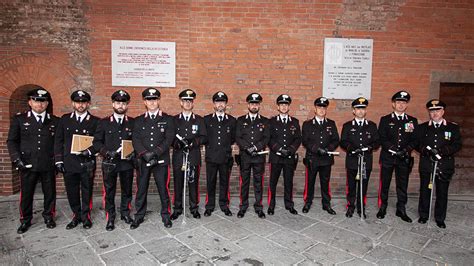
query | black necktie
[320, 123]
[79, 119]
[400, 117]
[39, 119]
[220, 118]
[153, 116]
[252, 119]
[360, 123]
[119, 121]
[284, 120]
[436, 125]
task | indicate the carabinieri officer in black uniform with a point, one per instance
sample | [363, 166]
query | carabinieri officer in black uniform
[108, 141]
[397, 137]
[30, 144]
[221, 135]
[285, 139]
[252, 136]
[320, 136]
[359, 136]
[153, 133]
[191, 129]
[78, 169]
[438, 140]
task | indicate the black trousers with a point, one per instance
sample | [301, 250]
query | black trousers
[212, 169]
[28, 181]
[110, 187]
[353, 189]
[441, 202]
[80, 186]
[324, 179]
[193, 188]
[161, 173]
[258, 170]
[402, 172]
[288, 173]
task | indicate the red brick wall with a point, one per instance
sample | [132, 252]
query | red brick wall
[272, 47]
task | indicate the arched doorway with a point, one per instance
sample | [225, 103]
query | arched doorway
[19, 103]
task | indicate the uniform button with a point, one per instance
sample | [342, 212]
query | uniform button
[151, 133]
[284, 129]
[120, 131]
[218, 137]
[251, 132]
[284, 135]
[251, 137]
[360, 138]
[219, 126]
[39, 148]
[218, 143]
[120, 137]
[219, 132]
[321, 142]
[151, 145]
[39, 141]
[186, 129]
[152, 127]
[39, 135]
[151, 138]
[436, 140]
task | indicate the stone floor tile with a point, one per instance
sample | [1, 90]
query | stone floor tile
[167, 249]
[133, 253]
[270, 252]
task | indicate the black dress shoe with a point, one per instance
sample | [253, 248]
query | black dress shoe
[306, 208]
[271, 211]
[292, 211]
[329, 210]
[196, 214]
[349, 212]
[136, 223]
[441, 224]
[50, 223]
[422, 220]
[227, 212]
[167, 223]
[175, 215]
[365, 215]
[260, 214]
[87, 224]
[127, 219]
[404, 216]
[72, 224]
[381, 213]
[23, 227]
[207, 213]
[241, 214]
[110, 226]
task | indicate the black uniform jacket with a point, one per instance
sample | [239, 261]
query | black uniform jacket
[323, 136]
[68, 126]
[154, 135]
[194, 131]
[220, 137]
[250, 133]
[32, 142]
[396, 135]
[109, 135]
[446, 139]
[354, 136]
[286, 136]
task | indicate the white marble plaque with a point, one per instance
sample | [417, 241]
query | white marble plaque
[347, 68]
[139, 63]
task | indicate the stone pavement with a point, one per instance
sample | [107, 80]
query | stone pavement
[283, 239]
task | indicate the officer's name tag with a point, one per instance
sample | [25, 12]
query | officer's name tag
[409, 127]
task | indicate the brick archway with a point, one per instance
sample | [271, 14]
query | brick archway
[16, 75]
